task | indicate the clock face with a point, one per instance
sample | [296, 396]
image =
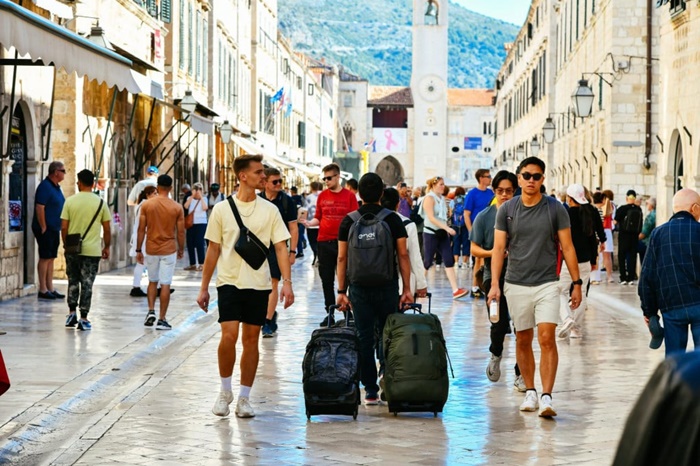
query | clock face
[431, 88]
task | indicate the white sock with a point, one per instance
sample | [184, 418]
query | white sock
[244, 392]
[226, 383]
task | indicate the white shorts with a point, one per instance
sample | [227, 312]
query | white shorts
[608, 241]
[532, 305]
[161, 268]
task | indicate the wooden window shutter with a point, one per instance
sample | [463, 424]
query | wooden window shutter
[166, 11]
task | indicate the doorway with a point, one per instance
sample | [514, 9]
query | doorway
[17, 184]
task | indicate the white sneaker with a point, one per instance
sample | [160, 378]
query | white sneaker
[519, 384]
[530, 403]
[565, 327]
[546, 409]
[493, 370]
[221, 406]
[243, 408]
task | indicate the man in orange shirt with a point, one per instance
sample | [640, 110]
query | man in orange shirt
[162, 223]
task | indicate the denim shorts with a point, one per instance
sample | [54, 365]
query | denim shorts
[161, 268]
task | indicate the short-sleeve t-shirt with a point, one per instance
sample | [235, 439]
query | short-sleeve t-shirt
[398, 230]
[532, 252]
[51, 197]
[476, 201]
[263, 219]
[78, 211]
[331, 208]
[162, 215]
[287, 208]
[482, 234]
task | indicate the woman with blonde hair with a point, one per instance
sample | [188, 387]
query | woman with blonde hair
[436, 232]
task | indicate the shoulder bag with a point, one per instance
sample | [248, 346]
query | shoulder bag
[73, 244]
[248, 246]
[189, 219]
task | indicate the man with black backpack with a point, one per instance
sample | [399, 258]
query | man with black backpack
[628, 219]
[369, 242]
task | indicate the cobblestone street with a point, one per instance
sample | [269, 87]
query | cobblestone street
[125, 394]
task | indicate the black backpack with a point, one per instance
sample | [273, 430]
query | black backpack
[370, 249]
[415, 213]
[632, 222]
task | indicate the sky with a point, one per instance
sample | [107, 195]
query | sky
[512, 11]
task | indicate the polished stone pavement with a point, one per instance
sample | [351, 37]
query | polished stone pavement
[125, 394]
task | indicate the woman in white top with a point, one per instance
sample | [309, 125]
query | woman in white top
[196, 205]
[148, 192]
[436, 232]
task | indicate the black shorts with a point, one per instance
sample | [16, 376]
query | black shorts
[274, 266]
[247, 306]
[48, 243]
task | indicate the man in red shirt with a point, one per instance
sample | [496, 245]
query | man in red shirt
[332, 206]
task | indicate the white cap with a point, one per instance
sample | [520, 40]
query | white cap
[577, 193]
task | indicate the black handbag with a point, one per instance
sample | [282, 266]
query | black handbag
[248, 246]
[73, 244]
[440, 234]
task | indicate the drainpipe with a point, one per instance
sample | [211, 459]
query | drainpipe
[647, 142]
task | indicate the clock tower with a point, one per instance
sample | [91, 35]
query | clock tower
[429, 89]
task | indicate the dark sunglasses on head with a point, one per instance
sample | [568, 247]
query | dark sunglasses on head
[328, 178]
[535, 176]
[276, 181]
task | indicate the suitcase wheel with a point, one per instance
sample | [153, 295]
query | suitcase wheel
[396, 413]
[354, 415]
[434, 413]
[308, 415]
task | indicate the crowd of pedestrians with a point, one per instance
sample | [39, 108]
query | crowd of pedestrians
[532, 255]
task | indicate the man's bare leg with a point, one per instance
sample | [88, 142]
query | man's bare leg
[164, 298]
[227, 348]
[549, 359]
[525, 356]
[152, 292]
[251, 354]
[42, 267]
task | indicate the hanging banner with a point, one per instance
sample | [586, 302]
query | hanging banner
[389, 140]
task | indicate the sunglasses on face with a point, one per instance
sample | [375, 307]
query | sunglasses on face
[535, 176]
[486, 176]
[328, 178]
[502, 191]
[276, 182]
[62, 170]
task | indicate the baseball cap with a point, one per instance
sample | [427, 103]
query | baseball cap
[153, 169]
[657, 332]
[632, 193]
[214, 187]
[577, 193]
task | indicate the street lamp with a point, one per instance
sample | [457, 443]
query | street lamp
[583, 99]
[519, 152]
[548, 130]
[226, 130]
[431, 13]
[188, 103]
[97, 36]
[534, 147]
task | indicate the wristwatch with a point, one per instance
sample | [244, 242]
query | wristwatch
[577, 282]
[343, 291]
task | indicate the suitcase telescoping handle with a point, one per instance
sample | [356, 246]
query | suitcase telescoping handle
[430, 300]
[334, 308]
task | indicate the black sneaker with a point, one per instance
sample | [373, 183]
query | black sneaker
[47, 295]
[71, 320]
[325, 322]
[267, 329]
[137, 292]
[163, 325]
[57, 295]
[172, 290]
[150, 319]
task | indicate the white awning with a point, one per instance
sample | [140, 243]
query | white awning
[251, 148]
[147, 86]
[201, 125]
[55, 7]
[48, 42]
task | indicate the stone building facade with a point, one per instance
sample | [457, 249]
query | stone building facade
[679, 118]
[610, 45]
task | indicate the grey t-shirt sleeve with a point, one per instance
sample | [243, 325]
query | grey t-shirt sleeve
[563, 220]
[501, 216]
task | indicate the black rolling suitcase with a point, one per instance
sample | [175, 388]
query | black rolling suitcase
[331, 372]
[416, 359]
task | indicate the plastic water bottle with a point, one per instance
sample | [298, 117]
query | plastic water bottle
[493, 311]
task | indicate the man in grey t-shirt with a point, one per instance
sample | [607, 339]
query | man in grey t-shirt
[529, 228]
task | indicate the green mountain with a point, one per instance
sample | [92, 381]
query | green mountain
[372, 39]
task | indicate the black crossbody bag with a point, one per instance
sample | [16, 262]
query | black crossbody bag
[73, 244]
[248, 246]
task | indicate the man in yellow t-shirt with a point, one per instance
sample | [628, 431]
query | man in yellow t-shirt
[77, 218]
[243, 291]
